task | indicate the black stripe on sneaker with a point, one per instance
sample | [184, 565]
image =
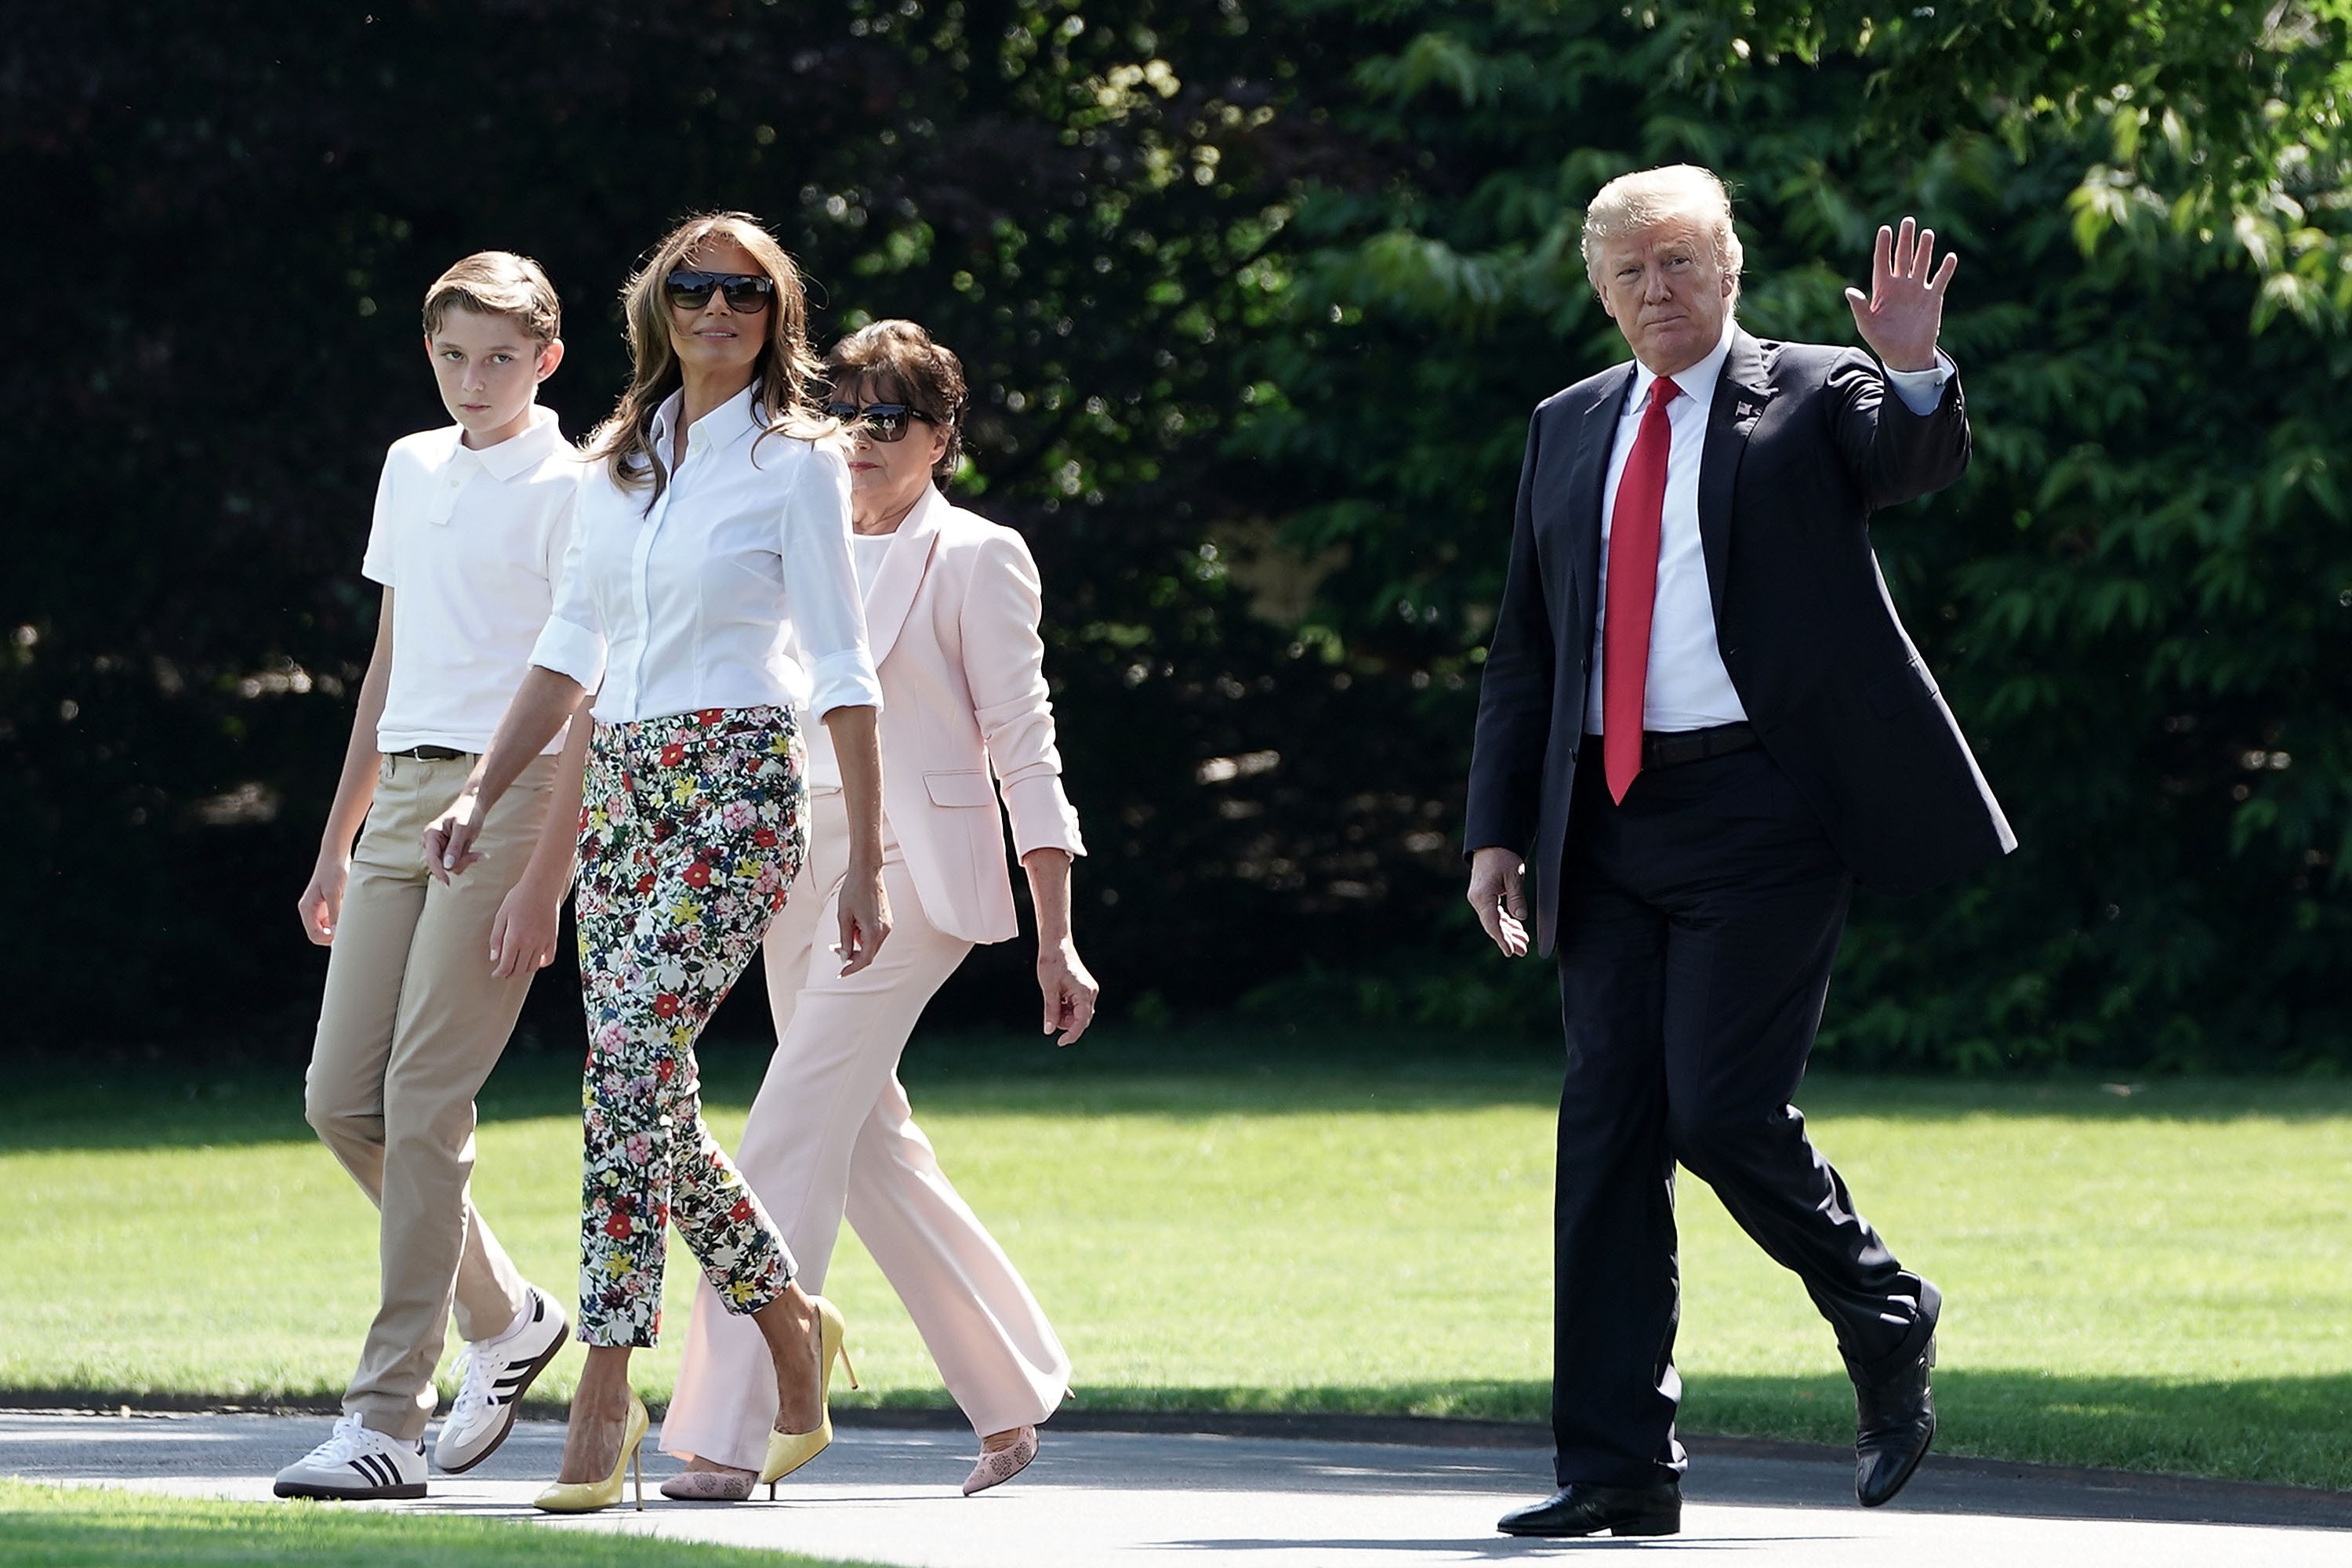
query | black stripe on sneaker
[365, 1466]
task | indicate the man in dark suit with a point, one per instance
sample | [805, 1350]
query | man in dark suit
[1701, 723]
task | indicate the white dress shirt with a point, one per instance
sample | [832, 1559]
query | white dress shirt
[1686, 686]
[865, 553]
[689, 602]
[471, 544]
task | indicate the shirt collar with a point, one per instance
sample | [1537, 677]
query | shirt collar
[723, 424]
[1697, 381]
[517, 454]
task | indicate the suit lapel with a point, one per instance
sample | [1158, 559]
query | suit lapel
[1740, 394]
[1585, 479]
[892, 597]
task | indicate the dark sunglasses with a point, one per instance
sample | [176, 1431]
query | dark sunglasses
[883, 421]
[747, 292]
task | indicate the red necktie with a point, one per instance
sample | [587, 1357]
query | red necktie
[1633, 591]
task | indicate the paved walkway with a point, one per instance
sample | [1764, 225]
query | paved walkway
[1111, 1500]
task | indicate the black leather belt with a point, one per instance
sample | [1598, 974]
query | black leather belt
[1673, 748]
[431, 753]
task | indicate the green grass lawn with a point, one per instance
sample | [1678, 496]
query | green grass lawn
[2162, 1281]
[78, 1526]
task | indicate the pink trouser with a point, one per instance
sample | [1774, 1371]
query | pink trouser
[829, 1136]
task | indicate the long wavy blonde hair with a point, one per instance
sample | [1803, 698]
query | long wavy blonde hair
[783, 373]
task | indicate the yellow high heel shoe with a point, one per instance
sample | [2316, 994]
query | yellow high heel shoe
[587, 1497]
[788, 1451]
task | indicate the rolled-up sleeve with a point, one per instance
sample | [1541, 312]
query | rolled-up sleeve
[572, 641]
[821, 593]
[1004, 666]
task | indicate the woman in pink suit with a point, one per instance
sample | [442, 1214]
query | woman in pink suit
[951, 612]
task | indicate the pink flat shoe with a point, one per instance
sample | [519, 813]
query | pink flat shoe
[996, 1468]
[709, 1485]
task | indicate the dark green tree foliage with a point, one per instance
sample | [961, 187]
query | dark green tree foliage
[2140, 600]
[238, 209]
[1255, 298]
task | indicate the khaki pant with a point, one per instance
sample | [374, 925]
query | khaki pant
[411, 1024]
[831, 1136]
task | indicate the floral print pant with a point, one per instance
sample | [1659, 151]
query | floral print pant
[690, 830]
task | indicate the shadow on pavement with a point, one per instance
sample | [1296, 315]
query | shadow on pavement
[1503, 1548]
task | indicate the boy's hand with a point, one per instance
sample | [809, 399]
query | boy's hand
[524, 937]
[321, 904]
[449, 842]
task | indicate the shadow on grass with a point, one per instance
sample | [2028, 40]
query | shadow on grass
[2287, 1431]
[2295, 1431]
[1163, 1074]
[2275, 1431]
[1174, 1073]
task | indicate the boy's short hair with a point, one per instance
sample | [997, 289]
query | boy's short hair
[498, 283]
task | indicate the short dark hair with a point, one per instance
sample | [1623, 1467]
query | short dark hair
[900, 360]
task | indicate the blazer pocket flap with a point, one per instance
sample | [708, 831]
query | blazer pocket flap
[1907, 688]
[964, 788]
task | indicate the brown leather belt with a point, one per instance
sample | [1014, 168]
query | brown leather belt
[431, 753]
[1673, 748]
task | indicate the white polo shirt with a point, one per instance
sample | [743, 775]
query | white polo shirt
[472, 544]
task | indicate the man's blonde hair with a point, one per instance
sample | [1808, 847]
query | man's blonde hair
[1633, 202]
[498, 283]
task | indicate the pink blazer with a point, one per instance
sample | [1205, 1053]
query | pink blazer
[951, 618]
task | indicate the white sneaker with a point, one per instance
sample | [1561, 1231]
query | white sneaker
[357, 1464]
[496, 1373]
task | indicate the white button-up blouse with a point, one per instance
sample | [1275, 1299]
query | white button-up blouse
[695, 601]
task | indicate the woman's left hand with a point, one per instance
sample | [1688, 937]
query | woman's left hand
[1069, 991]
[864, 917]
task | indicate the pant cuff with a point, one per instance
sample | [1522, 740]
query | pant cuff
[616, 1336]
[1910, 1348]
[403, 1423]
[1570, 1470]
[744, 1297]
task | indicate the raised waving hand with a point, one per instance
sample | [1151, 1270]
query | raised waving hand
[1903, 312]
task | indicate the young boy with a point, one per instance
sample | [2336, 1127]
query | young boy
[425, 979]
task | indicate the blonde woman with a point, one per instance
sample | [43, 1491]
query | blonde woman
[710, 542]
[952, 606]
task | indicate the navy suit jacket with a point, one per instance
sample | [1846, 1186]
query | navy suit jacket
[1803, 444]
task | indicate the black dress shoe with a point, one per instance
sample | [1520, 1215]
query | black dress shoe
[1586, 1510]
[1894, 1421]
